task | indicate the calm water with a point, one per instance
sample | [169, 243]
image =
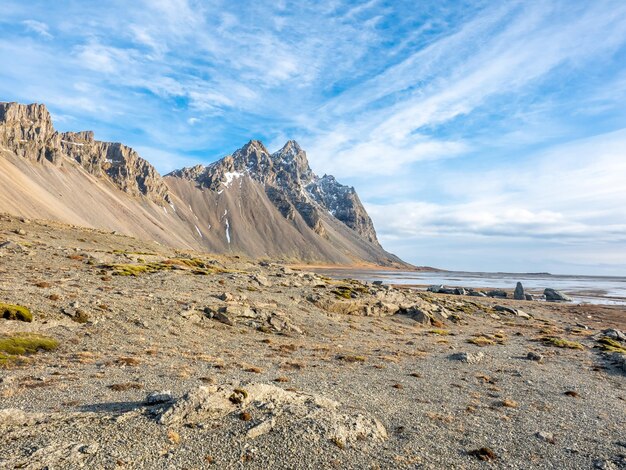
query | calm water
[588, 289]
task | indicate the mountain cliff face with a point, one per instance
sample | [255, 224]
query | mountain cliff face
[251, 202]
[27, 131]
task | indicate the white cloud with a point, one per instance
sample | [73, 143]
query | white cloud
[38, 27]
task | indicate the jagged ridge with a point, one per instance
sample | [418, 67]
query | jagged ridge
[290, 184]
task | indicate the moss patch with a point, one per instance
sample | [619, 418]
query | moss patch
[439, 332]
[561, 343]
[610, 345]
[195, 265]
[349, 292]
[15, 312]
[481, 341]
[23, 344]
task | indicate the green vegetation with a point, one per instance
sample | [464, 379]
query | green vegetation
[439, 332]
[350, 358]
[349, 292]
[22, 344]
[15, 312]
[561, 343]
[481, 341]
[197, 266]
[610, 345]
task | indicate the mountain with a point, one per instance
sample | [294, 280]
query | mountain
[251, 202]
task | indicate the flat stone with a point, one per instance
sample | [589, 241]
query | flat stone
[468, 357]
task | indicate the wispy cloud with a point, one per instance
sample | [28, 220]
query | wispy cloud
[38, 27]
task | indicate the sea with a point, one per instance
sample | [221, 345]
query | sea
[599, 290]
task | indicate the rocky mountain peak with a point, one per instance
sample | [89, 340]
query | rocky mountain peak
[290, 185]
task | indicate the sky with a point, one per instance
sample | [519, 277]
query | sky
[480, 135]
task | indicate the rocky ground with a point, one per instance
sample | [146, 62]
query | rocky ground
[140, 356]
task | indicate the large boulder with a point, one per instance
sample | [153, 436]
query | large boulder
[553, 295]
[519, 293]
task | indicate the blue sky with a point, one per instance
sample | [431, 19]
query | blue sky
[480, 135]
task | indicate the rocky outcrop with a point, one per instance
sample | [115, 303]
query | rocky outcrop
[121, 164]
[290, 184]
[298, 414]
[28, 132]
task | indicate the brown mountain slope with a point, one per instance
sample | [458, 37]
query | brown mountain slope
[251, 202]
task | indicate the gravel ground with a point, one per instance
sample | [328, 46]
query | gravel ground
[123, 337]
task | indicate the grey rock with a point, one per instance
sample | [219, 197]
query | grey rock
[529, 297]
[502, 308]
[419, 315]
[553, 295]
[476, 293]
[378, 283]
[262, 280]
[533, 356]
[11, 246]
[604, 465]
[226, 297]
[519, 293]
[156, 398]
[435, 289]
[460, 291]
[614, 334]
[497, 294]
[468, 357]
[546, 436]
[220, 317]
[514, 311]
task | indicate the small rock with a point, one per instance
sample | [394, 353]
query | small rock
[220, 317]
[529, 297]
[155, 398]
[502, 308]
[260, 429]
[11, 246]
[226, 297]
[468, 357]
[519, 293]
[604, 465]
[19, 231]
[378, 283]
[476, 293]
[262, 281]
[533, 356]
[498, 294]
[614, 334]
[419, 316]
[484, 453]
[546, 436]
